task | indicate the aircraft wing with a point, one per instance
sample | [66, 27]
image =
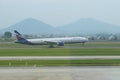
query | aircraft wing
[51, 42]
[59, 43]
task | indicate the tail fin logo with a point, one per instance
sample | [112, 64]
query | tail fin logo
[18, 35]
[20, 38]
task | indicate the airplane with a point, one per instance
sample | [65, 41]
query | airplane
[49, 41]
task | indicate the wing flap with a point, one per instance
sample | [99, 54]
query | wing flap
[51, 42]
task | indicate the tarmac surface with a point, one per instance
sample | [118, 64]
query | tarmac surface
[60, 73]
[57, 57]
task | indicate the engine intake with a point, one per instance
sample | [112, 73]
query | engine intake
[60, 43]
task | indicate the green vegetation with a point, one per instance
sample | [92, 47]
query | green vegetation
[101, 44]
[90, 49]
[37, 63]
[60, 52]
[4, 45]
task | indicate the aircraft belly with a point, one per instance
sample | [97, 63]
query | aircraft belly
[38, 42]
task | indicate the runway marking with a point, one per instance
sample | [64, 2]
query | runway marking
[58, 57]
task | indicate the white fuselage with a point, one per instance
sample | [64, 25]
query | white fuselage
[56, 40]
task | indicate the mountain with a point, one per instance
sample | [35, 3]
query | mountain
[81, 26]
[31, 26]
[90, 26]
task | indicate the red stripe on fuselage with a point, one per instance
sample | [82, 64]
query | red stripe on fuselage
[18, 37]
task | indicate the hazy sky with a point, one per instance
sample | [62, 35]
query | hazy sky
[58, 12]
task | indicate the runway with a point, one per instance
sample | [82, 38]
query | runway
[60, 73]
[58, 57]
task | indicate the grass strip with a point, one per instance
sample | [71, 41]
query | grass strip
[61, 52]
[38, 63]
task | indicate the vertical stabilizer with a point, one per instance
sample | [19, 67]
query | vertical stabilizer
[20, 38]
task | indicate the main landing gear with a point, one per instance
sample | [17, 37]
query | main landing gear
[83, 44]
[51, 46]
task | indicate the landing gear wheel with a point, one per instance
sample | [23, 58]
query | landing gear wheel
[51, 46]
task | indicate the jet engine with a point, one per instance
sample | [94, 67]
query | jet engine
[60, 43]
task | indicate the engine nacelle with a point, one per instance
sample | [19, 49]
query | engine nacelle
[60, 43]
